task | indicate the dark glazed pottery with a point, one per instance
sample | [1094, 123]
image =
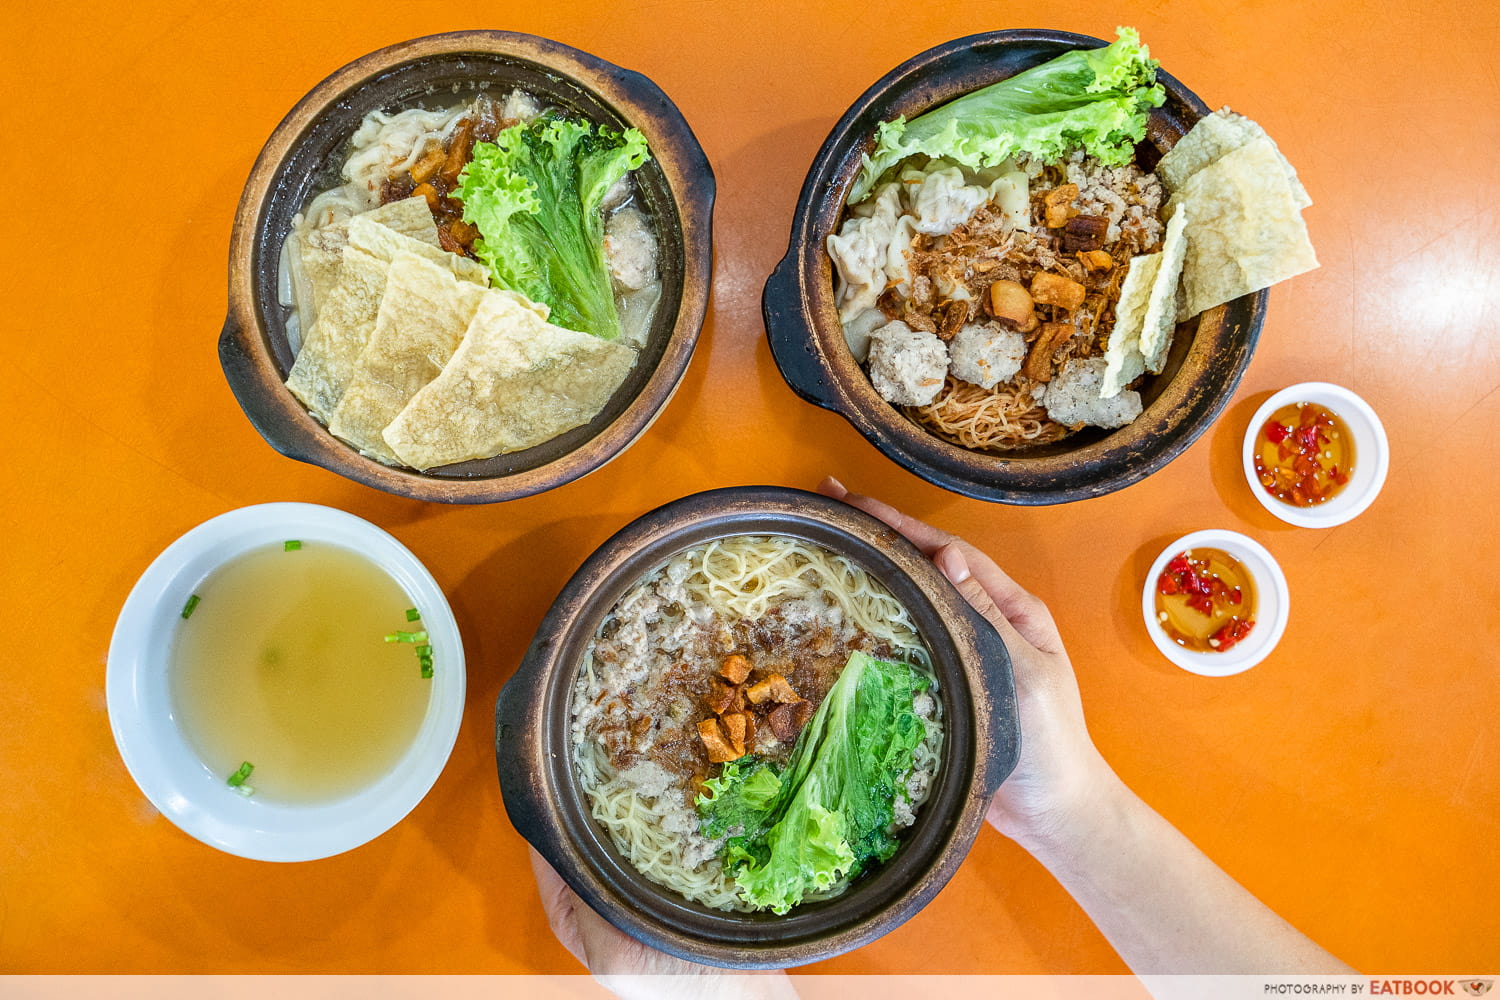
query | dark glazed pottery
[303, 156]
[534, 754]
[1208, 356]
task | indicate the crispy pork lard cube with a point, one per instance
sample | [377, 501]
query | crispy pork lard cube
[720, 750]
[1056, 290]
[1012, 305]
[1038, 366]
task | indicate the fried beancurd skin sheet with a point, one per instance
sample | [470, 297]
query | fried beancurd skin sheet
[514, 382]
[1246, 230]
[422, 319]
[334, 341]
[1160, 319]
[323, 249]
[1209, 139]
[1124, 360]
[327, 361]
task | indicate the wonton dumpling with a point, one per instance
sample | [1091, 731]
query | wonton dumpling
[898, 256]
[514, 382]
[857, 332]
[941, 198]
[861, 251]
[1009, 188]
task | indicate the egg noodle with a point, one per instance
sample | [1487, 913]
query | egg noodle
[1001, 418]
[742, 577]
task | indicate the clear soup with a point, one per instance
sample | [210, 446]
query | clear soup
[283, 663]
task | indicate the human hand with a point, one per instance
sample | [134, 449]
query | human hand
[1059, 768]
[628, 968]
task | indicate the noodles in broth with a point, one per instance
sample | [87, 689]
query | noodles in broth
[781, 601]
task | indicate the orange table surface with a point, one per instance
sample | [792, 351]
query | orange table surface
[1352, 781]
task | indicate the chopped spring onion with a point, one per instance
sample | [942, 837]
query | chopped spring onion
[292, 546]
[237, 779]
[187, 609]
[417, 638]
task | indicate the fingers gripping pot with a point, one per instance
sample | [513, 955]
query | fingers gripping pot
[536, 761]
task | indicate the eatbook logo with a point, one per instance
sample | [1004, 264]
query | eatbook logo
[1430, 987]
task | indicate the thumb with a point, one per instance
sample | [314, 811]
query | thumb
[560, 905]
[950, 559]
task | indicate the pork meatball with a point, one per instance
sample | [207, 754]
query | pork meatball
[907, 366]
[1073, 397]
[986, 354]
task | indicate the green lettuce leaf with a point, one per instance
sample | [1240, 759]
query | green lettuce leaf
[741, 796]
[829, 813]
[1095, 99]
[534, 194]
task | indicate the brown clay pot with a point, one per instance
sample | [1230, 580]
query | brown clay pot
[1207, 359]
[303, 157]
[533, 747]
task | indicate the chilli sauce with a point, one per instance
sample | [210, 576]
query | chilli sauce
[1304, 454]
[1205, 600]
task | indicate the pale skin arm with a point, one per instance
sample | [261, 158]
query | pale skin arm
[1163, 905]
